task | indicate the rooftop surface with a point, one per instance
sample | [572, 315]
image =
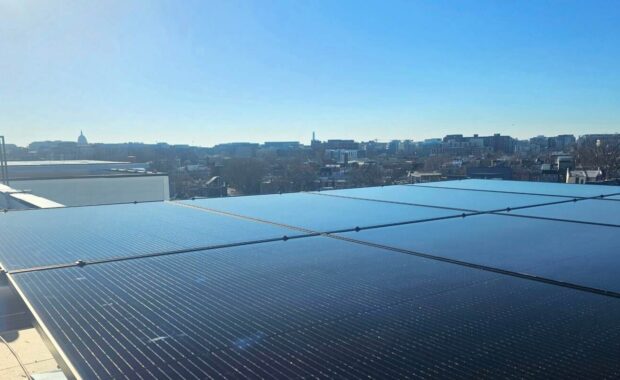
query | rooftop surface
[61, 162]
[459, 279]
[33, 354]
[12, 199]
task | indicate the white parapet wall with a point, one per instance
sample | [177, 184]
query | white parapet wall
[82, 191]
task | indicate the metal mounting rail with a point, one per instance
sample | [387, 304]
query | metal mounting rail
[4, 166]
[564, 200]
[486, 268]
[82, 263]
[511, 192]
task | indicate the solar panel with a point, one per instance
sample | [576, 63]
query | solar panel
[319, 213]
[583, 254]
[60, 236]
[548, 188]
[317, 307]
[590, 211]
[223, 294]
[453, 198]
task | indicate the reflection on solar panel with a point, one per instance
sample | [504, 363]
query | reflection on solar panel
[381, 282]
[62, 236]
[322, 214]
[585, 255]
[589, 211]
[457, 199]
[540, 188]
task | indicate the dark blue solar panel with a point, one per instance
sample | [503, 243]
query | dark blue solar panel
[579, 253]
[458, 199]
[318, 307]
[58, 236]
[562, 189]
[319, 213]
[593, 211]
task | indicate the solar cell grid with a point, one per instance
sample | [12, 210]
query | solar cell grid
[322, 214]
[588, 211]
[463, 200]
[534, 246]
[61, 236]
[524, 187]
[317, 307]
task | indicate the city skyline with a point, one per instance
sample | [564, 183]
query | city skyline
[206, 73]
[302, 141]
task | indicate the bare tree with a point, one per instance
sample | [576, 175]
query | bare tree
[244, 174]
[603, 154]
[366, 175]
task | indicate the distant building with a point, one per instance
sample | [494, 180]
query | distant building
[539, 144]
[82, 141]
[563, 163]
[584, 176]
[459, 145]
[373, 148]
[394, 147]
[341, 144]
[237, 149]
[599, 139]
[332, 176]
[341, 156]
[421, 177]
[281, 145]
[494, 172]
[561, 142]
[499, 143]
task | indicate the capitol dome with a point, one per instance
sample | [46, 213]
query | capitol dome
[82, 139]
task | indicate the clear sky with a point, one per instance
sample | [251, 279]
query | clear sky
[204, 72]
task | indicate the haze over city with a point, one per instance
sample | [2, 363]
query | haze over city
[203, 73]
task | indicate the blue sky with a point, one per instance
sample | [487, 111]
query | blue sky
[206, 72]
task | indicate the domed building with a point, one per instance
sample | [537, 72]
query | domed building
[82, 139]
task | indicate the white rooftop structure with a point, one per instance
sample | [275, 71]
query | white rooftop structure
[62, 162]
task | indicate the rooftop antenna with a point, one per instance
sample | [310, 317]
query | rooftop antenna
[4, 167]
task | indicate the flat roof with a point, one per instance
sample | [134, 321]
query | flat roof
[62, 162]
[7, 189]
[36, 200]
[18, 200]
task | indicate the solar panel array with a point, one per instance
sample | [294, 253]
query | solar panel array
[455, 279]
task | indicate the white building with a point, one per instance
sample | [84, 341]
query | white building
[341, 155]
[80, 183]
[583, 176]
